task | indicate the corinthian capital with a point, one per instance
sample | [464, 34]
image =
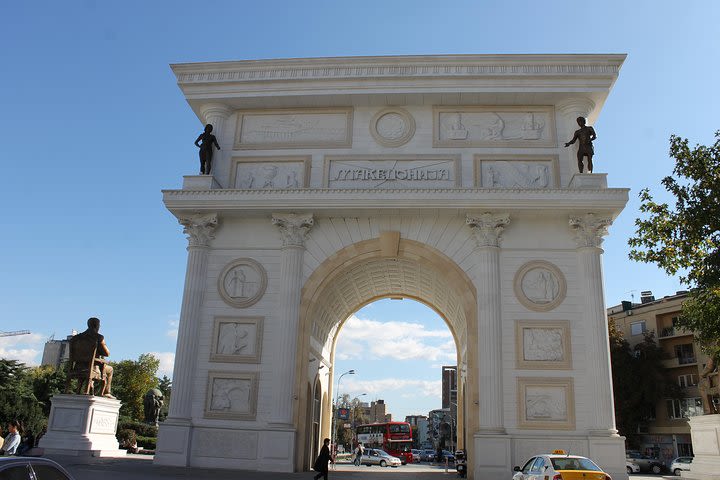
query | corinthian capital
[589, 229]
[487, 228]
[200, 229]
[293, 228]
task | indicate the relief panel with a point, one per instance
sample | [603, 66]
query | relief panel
[520, 171]
[540, 286]
[217, 443]
[391, 172]
[231, 395]
[493, 126]
[237, 339]
[270, 173]
[303, 128]
[546, 403]
[543, 345]
[242, 282]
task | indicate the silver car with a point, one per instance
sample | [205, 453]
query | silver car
[32, 468]
[375, 456]
[680, 464]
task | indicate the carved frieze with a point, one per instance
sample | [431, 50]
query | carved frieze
[302, 128]
[242, 282]
[231, 395]
[392, 127]
[520, 171]
[270, 173]
[543, 345]
[494, 126]
[546, 403]
[392, 171]
[223, 443]
[540, 286]
[237, 339]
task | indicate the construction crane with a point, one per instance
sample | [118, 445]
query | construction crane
[16, 332]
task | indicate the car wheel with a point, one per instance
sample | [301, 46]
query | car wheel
[655, 469]
[629, 471]
[383, 463]
[677, 471]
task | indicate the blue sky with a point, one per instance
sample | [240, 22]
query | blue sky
[93, 126]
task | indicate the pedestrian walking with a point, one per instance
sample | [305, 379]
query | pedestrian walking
[358, 454]
[321, 464]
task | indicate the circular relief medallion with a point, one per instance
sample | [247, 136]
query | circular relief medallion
[540, 286]
[392, 127]
[242, 282]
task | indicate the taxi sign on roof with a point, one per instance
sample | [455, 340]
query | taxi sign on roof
[558, 452]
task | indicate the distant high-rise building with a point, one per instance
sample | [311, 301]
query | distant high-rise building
[57, 351]
[449, 387]
[375, 412]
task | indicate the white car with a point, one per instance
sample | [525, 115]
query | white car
[680, 464]
[632, 467]
[376, 456]
[560, 466]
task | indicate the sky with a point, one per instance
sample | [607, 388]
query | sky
[93, 126]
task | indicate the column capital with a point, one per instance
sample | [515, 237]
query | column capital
[590, 229]
[575, 107]
[487, 227]
[199, 228]
[211, 111]
[293, 227]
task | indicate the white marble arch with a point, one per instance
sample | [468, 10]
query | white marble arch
[456, 245]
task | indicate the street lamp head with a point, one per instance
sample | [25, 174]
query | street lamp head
[351, 372]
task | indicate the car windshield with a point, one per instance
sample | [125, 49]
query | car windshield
[568, 463]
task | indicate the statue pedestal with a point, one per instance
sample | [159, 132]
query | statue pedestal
[82, 425]
[200, 182]
[589, 181]
[705, 433]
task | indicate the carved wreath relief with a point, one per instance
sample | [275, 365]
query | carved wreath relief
[242, 283]
[392, 127]
[231, 395]
[540, 286]
[237, 339]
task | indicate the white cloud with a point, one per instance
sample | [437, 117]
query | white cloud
[395, 339]
[174, 323]
[167, 362]
[382, 386]
[23, 348]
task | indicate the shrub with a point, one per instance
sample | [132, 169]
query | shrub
[126, 437]
[140, 428]
[148, 443]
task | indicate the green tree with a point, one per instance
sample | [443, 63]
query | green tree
[47, 381]
[165, 386]
[684, 239]
[131, 380]
[640, 381]
[17, 399]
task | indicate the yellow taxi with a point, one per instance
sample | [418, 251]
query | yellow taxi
[560, 466]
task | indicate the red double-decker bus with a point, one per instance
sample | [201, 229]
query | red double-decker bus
[393, 437]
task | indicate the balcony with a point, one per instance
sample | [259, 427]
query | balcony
[669, 332]
[680, 361]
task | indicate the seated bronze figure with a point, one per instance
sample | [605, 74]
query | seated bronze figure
[87, 363]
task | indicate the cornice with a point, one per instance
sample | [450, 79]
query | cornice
[611, 200]
[456, 66]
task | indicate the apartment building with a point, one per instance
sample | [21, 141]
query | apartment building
[668, 434]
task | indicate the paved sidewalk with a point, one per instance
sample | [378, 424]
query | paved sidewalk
[140, 467]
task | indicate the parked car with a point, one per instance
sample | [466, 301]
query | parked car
[632, 467]
[560, 465]
[679, 464]
[375, 456]
[646, 463]
[31, 468]
[427, 455]
[417, 455]
[449, 455]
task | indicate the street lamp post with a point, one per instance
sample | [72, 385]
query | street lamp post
[337, 399]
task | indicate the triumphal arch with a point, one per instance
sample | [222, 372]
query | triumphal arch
[443, 179]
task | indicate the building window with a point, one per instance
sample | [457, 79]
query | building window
[689, 380]
[685, 450]
[637, 328]
[685, 353]
[684, 408]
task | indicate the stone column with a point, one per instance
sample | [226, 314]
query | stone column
[487, 229]
[199, 230]
[216, 114]
[589, 231]
[293, 229]
[569, 109]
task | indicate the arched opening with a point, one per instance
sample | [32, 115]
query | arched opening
[359, 275]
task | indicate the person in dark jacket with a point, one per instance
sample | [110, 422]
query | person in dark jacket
[321, 464]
